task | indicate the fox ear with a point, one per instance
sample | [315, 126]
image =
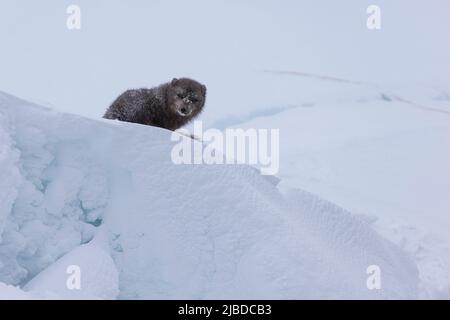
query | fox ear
[174, 81]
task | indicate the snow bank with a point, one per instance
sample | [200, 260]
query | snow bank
[98, 274]
[173, 231]
[382, 152]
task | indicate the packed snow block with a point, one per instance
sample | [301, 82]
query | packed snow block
[10, 177]
[86, 272]
[8, 292]
[177, 231]
[42, 214]
[10, 182]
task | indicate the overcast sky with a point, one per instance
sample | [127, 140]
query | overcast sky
[225, 44]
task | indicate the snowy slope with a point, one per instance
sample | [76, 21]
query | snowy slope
[99, 274]
[381, 151]
[172, 231]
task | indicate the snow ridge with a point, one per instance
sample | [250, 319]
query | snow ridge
[168, 231]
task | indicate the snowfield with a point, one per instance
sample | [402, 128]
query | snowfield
[364, 123]
[379, 151]
[106, 197]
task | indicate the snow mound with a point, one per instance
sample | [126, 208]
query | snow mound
[98, 274]
[172, 231]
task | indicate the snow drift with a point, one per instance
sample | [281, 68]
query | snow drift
[105, 196]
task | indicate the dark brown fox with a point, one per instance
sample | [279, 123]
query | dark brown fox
[170, 105]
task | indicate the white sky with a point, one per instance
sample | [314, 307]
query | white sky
[125, 44]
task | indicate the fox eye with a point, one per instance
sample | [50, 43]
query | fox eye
[180, 96]
[194, 100]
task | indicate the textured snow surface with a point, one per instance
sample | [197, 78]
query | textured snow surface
[379, 151]
[98, 274]
[105, 196]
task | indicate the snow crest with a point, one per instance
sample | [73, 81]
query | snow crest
[169, 231]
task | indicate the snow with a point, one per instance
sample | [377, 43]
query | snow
[12, 293]
[382, 152]
[98, 274]
[169, 231]
[224, 44]
[363, 118]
